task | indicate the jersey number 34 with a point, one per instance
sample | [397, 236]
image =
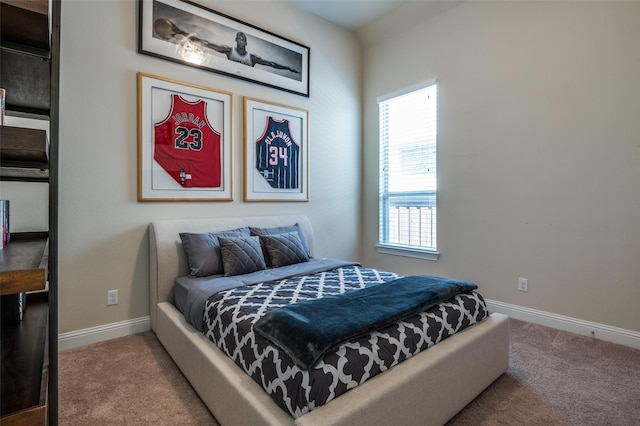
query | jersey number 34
[277, 153]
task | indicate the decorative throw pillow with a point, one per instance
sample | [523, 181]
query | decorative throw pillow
[241, 255]
[284, 249]
[280, 230]
[203, 250]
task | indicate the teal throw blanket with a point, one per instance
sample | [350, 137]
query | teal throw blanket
[305, 331]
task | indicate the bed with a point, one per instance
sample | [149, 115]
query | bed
[427, 388]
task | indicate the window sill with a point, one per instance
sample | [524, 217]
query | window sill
[408, 252]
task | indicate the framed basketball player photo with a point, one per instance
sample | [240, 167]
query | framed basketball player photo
[276, 150]
[190, 34]
[184, 141]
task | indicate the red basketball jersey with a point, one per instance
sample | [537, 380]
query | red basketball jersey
[187, 147]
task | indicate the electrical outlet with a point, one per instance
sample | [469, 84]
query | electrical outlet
[523, 284]
[112, 297]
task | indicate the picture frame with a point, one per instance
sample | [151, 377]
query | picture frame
[184, 141]
[276, 152]
[187, 33]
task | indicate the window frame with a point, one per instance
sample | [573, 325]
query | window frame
[400, 249]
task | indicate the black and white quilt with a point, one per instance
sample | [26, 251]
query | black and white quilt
[230, 315]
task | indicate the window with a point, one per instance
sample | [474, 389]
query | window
[408, 184]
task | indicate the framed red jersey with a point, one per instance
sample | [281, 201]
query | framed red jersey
[186, 146]
[184, 141]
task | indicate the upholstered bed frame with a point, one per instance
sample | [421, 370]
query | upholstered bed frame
[427, 389]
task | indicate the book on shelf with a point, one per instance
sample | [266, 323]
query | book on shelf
[3, 95]
[22, 305]
[4, 223]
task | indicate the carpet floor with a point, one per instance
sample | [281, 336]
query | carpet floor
[554, 378]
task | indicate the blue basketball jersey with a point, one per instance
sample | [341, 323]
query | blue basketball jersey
[278, 155]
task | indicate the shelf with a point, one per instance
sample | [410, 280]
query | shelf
[25, 44]
[24, 154]
[23, 147]
[23, 263]
[25, 366]
[21, 174]
[24, 25]
[26, 92]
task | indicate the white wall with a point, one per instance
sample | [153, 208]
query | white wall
[539, 148]
[103, 228]
[29, 201]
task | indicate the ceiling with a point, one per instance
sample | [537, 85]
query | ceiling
[349, 14]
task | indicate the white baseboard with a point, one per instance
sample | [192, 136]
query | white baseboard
[87, 336]
[604, 332]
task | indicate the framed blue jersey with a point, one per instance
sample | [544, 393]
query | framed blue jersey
[276, 152]
[278, 155]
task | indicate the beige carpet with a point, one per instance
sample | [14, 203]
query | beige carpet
[126, 381]
[554, 378]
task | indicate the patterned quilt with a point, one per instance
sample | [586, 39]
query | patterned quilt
[230, 315]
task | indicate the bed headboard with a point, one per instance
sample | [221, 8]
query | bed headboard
[167, 259]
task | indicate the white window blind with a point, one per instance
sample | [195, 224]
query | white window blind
[408, 172]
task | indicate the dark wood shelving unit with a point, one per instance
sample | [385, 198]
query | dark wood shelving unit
[30, 70]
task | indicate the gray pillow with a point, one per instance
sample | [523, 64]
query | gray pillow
[284, 249]
[203, 250]
[280, 230]
[241, 255]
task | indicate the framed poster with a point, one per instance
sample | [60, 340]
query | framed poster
[276, 149]
[184, 32]
[184, 141]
